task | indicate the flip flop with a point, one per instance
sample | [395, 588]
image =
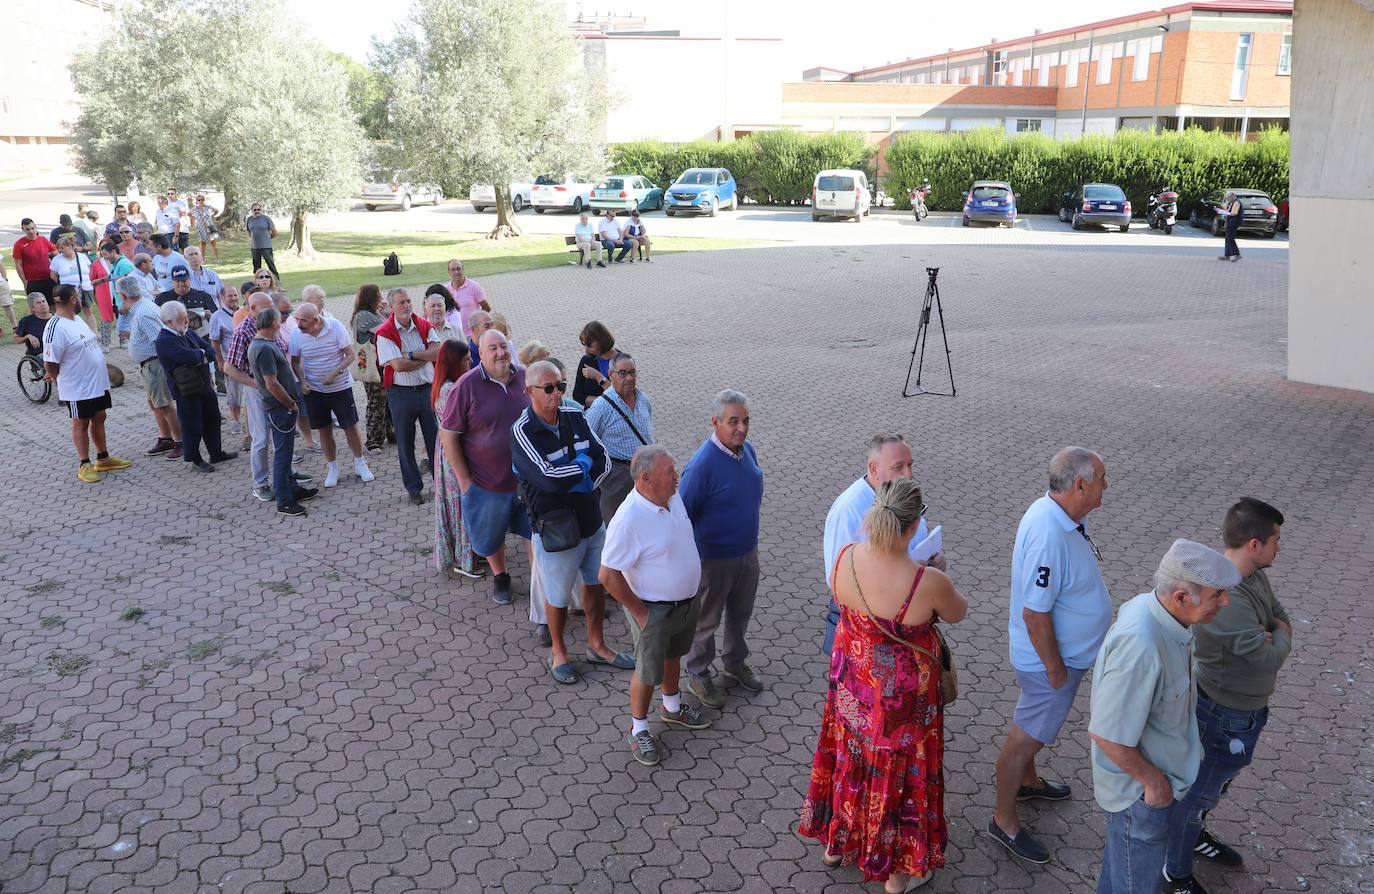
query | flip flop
[563, 673]
[621, 661]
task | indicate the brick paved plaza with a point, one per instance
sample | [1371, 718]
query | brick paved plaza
[305, 705]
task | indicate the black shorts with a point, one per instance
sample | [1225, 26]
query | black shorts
[322, 407]
[87, 409]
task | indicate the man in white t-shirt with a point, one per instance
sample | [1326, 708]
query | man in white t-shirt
[73, 359]
[650, 565]
[613, 236]
[323, 355]
[584, 234]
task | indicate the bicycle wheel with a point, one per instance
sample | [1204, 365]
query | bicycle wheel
[31, 380]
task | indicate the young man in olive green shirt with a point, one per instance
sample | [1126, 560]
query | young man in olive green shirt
[1238, 654]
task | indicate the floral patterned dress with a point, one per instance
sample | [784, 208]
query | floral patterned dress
[877, 794]
[451, 546]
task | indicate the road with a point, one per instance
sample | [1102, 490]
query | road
[45, 200]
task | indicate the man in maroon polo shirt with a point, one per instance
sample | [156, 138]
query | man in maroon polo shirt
[33, 258]
[475, 435]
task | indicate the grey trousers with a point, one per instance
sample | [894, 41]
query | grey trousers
[615, 487]
[727, 591]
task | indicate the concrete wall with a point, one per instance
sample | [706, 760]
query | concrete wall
[1331, 271]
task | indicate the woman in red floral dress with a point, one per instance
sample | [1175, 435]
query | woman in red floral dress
[877, 791]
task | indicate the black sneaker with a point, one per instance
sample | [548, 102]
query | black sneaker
[1207, 846]
[417, 499]
[1045, 791]
[1022, 845]
[500, 589]
[645, 748]
[304, 493]
[291, 509]
[1185, 885]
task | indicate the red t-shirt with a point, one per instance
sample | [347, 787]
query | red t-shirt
[33, 257]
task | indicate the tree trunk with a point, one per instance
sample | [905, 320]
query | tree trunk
[505, 227]
[300, 236]
[230, 219]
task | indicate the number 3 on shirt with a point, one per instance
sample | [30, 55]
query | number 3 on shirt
[1042, 577]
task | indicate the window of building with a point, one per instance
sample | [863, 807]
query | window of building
[1240, 77]
[1104, 64]
[1027, 125]
[1043, 65]
[999, 67]
[1141, 70]
[973, 74]
[1286, 55]
[937, 77]
[1071, 61]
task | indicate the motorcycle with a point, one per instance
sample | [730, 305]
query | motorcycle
[918, 200]
[1163, 211]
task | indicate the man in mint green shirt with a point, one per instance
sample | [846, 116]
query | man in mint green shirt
[1146, 748]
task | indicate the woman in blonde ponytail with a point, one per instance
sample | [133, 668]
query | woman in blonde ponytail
[876, 797]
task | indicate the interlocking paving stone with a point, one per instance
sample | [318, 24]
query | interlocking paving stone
[350, 721]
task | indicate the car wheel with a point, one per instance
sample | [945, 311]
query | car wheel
[815, 216]
[1271, 234]
[539, 211]
[479, 208]
[517, 205]
[670, 212]
[405, 203]
[1077, 221]
[966, 221]
[659, 206]
[1063, 216]
[370, 207]
[714, 208]
[1217, 227]
[1193, 219]
[1125, 227]
[577, 205]
[1168, 229]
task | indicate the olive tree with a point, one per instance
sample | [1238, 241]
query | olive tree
[485, 91]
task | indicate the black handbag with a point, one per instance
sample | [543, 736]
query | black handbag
[557, 528]
[188, 379]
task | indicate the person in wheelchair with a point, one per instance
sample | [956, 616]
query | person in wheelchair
[29, 332]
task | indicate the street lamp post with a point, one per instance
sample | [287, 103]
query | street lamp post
[1087, 78]
[1159, 76]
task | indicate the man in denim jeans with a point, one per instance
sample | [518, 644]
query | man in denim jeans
[1146, 749]
[281, 397]
[1239, 654]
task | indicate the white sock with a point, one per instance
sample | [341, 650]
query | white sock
[641, 724]
[672, 703]
[332, 465]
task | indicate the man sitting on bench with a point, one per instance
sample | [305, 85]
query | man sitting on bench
[613, 236]
[587, 242]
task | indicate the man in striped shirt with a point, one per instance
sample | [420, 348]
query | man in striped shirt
[623, 419]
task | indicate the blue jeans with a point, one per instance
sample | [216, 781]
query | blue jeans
[624, 247]
[410, 404]
[281, 425]
[1228, 745]
[1136, 840]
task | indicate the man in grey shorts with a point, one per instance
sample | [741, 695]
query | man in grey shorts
[650, 565]
[1060, 612]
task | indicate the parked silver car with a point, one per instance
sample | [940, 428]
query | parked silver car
[396, 189]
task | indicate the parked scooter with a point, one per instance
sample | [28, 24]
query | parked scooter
[918, 200]
[1163, 211]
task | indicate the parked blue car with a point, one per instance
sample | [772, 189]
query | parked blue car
[990, 201]
[702, 191]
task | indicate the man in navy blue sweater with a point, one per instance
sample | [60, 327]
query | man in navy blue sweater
[722, 490]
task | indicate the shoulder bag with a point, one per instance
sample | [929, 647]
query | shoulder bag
[557, 528]
[949, 677]
[368, 373]
[605, 395]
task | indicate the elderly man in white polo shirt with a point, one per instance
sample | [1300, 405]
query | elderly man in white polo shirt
[1060, 611]
[650, 565]
[588, 243]
[1146, 744]
[889, 458]
[322, 354]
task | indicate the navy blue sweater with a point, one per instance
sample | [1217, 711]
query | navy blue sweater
[722, 496]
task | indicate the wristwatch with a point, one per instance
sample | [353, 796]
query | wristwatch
[410, 355]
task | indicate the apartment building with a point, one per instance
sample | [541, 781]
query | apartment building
[1222, 65]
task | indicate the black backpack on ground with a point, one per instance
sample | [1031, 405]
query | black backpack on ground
[391, 265]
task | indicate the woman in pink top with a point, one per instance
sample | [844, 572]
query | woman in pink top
[466, 293]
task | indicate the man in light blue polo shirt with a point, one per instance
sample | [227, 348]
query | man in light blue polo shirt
[1060, 611]
[1146, 745]
[889, 457]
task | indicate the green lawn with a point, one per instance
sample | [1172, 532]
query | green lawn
[348, 259]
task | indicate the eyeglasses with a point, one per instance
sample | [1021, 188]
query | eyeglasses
[548, 389]
[627, 373]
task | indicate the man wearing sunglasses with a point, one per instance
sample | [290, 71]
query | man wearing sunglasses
[560, 462]
[1060, 612]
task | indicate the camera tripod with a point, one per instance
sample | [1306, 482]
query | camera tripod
[922, 333]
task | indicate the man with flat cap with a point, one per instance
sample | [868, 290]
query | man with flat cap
[1145, 744]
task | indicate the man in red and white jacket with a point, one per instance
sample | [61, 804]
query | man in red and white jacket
[406, 348]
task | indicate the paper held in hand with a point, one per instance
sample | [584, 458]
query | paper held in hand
[934, 542]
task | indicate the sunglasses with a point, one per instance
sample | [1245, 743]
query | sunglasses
[548, 389]
[263, 276]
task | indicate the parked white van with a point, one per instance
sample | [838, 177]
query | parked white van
[840, 194]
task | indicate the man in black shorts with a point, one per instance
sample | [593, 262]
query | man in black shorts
[73, 359]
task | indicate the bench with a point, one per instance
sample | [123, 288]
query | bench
[571, 242]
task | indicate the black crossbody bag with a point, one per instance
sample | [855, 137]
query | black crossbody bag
[557, 528]
[626, 418]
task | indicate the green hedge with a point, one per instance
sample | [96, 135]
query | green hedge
[771, 167]
[1041, 169]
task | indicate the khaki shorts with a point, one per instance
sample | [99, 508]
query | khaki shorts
[6, 296]
[155, 383]
[669, 633]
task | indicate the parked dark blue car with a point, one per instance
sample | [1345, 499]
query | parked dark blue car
[990, 201]
[702, 191]
[1096, 203]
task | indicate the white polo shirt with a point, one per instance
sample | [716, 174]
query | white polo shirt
[610, 229]
[585, 232]
[654, 548]
[844, 523]
[1054, 570]
[321, 354]
[413, 341]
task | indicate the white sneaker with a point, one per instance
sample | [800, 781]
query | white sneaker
[360, 466]
[331, 474]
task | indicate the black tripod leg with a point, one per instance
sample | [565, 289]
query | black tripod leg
[949, 358]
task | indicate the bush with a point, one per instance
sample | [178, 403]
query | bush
[1041, 169]
[770, 167]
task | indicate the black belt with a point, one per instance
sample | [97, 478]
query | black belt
[143, 363]
[622, 462]
[412, 387]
